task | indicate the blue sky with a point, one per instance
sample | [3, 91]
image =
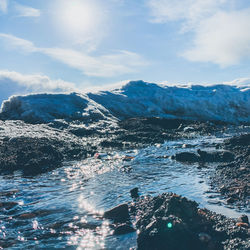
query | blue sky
[65, 45]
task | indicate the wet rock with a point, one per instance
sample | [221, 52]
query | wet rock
[134, 193]
[186, 157]
[118, 213]
[31, 155]
[203, 156]
[8, 193]
[230, 200]
[153, 130]
[36, 155]
[242, 224]
[8, 204]
[243, 218]
[151, 123]
[123, 229]
[111, 144]
[225, 156]
[169, 221]
[232, 179]
[27, 216]
[242, 140]
[81, 132]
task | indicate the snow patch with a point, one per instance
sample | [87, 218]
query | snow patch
[229, 103]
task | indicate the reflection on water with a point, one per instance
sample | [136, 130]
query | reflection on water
[63, 208]
[89, 239]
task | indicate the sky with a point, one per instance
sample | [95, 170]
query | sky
[78, 45]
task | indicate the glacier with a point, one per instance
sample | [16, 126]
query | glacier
[220, 102]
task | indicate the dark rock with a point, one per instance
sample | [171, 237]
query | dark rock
[227, 156]
[36, 155]
[134, 193]
[8, 193]
[243, 218]
[119, 213]
[230, 200]
[81, 132]
[242, 140]
[169, 221]
[123, 229]
[111, 144]
[31, 155]
[232, 179]
[215, 156]
[150, 123]
[139, 131]
[186, 157]
[8, 205]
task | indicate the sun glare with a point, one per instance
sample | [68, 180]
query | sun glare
[78, 17]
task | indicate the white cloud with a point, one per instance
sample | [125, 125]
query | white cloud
[109, 65]
[3, 6]
[220, 28]
[223, 39]
[26, 11]
[36, 83]
[14, 83]
[119, 63]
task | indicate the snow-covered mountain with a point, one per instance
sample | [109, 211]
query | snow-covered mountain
[135, 99]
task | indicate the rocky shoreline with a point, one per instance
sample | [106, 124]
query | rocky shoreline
[37, 148]
[169, 221]
[160, 221]
[232, 179]
[27, 146]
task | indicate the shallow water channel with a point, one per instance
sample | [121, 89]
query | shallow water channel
[61, 209]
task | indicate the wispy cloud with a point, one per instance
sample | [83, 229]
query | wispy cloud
[108, 65]
[188, 11]
[26, 11]
[220, 33]
[13, 42]
[4, 6]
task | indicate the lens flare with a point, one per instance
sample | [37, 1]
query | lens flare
[169, 225]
